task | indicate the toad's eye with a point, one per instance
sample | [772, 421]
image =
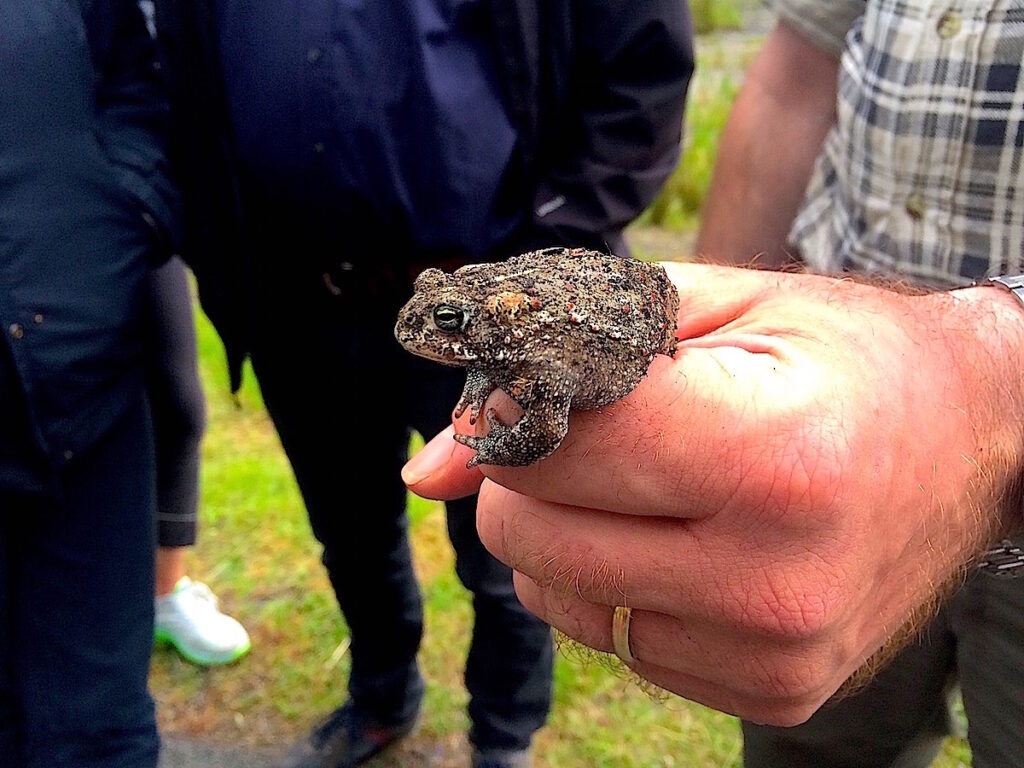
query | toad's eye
[449, 318]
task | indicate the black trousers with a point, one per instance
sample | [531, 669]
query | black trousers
[76, 610]
[344, 397]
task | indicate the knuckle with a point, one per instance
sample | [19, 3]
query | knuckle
[515, 534]
[786, 687]
[563, 568]
[504, 525]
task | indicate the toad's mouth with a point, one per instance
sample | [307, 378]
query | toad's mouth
[449, 351]
[454, 352]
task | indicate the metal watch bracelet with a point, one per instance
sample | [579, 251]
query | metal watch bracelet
[1005, 560]
[1013, 283]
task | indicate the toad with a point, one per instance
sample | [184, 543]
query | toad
[555, 329]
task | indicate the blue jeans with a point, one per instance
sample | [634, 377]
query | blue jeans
[76, 611]
[344, 397]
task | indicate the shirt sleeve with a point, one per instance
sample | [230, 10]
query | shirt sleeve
[623, 139]
[824, 22]
[133, 115]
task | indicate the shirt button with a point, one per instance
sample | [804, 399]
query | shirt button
[949, 24]
[16, 331]
[915, 206]
[37, 318]
[319, 148]
[313, 55]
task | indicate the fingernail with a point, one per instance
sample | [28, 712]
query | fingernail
[430, 458]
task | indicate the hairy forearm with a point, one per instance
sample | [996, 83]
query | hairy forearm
[767, 152]
[983, 332]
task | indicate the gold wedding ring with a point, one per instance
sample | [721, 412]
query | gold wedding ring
[620, 633]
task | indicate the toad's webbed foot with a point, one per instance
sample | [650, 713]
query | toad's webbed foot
[536, 435]
[477, 389]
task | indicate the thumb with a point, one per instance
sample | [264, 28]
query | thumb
[438, 470]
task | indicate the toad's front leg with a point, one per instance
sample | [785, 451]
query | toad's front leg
[537, 434]
[474, 394]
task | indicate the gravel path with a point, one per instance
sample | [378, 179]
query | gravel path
[179, 752]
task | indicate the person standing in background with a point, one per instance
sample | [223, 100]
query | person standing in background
[86, 208]
[187, 614]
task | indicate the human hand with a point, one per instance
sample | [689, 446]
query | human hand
[818, 459]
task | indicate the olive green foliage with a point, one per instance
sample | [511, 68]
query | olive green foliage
[715, 15]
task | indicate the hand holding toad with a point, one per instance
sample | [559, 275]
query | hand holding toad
[776, 501]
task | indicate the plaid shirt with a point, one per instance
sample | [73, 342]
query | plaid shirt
[922, 175]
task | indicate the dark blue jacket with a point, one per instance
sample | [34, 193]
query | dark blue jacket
[595, 89]
[86, 205]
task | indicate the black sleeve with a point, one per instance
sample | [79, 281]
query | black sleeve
[631, 68]
[133, 113]
[202, 159]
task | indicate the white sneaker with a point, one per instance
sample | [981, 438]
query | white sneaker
[188, 619]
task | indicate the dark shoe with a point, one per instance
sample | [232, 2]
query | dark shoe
[501, 758]
[345, 739]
